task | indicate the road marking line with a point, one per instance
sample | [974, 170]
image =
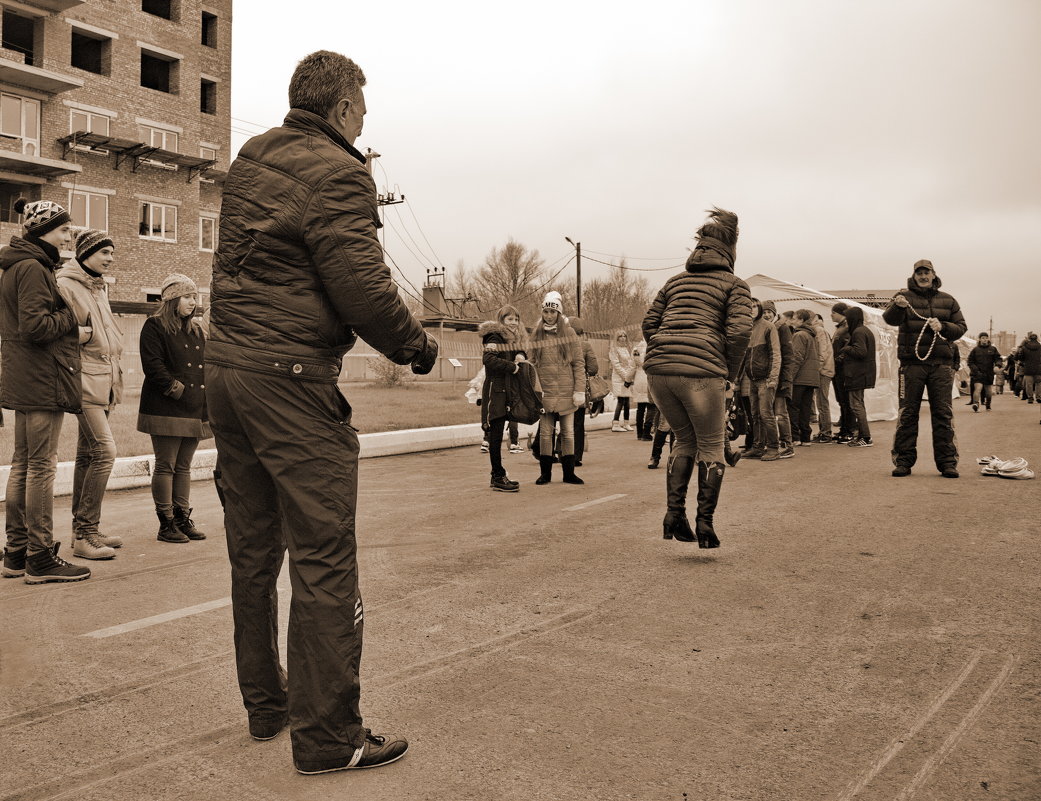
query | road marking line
[155, 620]
[587, 504]
[897, 743]
[960, 729]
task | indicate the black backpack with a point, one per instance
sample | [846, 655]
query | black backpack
[523, 400]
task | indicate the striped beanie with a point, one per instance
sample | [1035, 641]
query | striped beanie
[90, 242]
[41, 216]
[176, 285]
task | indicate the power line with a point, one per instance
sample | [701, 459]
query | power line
[412, 239]
[418, 256]
[636, 269]
[637, 258]
[421, 231]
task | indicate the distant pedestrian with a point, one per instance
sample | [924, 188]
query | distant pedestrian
[697, 330]
[1030, 367]
[784, 382]
[640, 395]
[838, 342]
[623, 376]
[930, 323]
[859, 369]
[999, 379]
[504, 349]
[82, 284]
[983, 361]
[763, 367]
[557, 356]
[173, 403]
[592, 366]
[806, 375]
[822, 398]
[40, 380]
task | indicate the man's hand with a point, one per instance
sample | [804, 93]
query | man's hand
[934, 324]
[901, 301]
[426, 358]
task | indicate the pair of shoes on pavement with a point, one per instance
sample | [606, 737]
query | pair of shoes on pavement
[94, 545]
[43, 567]
[902, 470]
[860, 442]
[1012, 468]
[516, 448]
[378, 750]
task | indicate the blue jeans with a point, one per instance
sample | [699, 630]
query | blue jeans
[695, 408]
[763, 415]
[547, 423]
[95, 455]
[30, 485]
[859, 412]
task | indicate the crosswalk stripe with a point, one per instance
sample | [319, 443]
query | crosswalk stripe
[587, 504]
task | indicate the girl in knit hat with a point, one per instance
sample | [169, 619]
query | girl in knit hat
[82, 284]
[557, 355]
[173, 403]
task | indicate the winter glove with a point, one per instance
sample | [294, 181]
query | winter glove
[579, 398]
[427, 358]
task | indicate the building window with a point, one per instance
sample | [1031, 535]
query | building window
[89, 123]
[158, 221]
[207, 233]
[208, 153]
[159, 72]
[91, 53]
[89, 210]
[207, 97]
[209, 29]
[161, 138]
[19, 35]
[160, 8]
[9, 194]
[20, 120]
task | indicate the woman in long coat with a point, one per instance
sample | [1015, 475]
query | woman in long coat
[504, 348]
[623, 376]
[558, 358]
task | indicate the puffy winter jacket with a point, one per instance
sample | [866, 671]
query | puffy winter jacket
[982, 360]
[825, 354]
[700, 321]
[1030, 357]
[926, 303]
[784, 336]
[763, 357]
[299, 271]
[838, 341]
[559, 361]
[805, 359]
[859, 366]
[39, 337]
[102, 347]
[499, 359]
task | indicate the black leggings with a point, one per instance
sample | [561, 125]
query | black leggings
[493, 435]
[623, 404]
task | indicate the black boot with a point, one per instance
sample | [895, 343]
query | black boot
[168, 531]
[184, 522]
[546, 466]
[710, 479]
[732, 457]
[217, 476]
[568, 463]
[675, 525]
[656, 449]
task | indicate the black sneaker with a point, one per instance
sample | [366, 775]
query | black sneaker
[267, 726]
[378, 750]
[503, 484]
[949, 472]
[860, 442]
[901, 470]
[14, 563]
[824, 438]
[47, 566]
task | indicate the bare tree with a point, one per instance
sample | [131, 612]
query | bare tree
[618, 301]
[510, 274]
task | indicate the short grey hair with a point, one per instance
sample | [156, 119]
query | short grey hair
[322, 79]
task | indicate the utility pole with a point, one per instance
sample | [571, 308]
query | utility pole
[388, 198]
[578, 276]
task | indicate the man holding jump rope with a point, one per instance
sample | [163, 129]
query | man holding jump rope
[930, 323]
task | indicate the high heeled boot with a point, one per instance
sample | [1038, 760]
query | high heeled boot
[710, 479]
[675, 525]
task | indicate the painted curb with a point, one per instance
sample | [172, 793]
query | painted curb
[136, 471]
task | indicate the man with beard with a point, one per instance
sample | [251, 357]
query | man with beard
[930, 322]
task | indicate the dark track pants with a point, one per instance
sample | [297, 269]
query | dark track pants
[915, 380]
[289, 459]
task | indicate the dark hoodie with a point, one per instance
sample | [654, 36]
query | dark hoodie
[930, 302]
[700, 321]
[39, 337]
[859, 365]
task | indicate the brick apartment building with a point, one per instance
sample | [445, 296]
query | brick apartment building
[120, 110]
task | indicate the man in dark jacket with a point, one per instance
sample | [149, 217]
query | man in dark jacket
[40, 380]
[859, 371]
[982, 360]
[784, 382]
[297, 276]
[930, 323]
[806, 375]
[1030, 368]
[838, 342]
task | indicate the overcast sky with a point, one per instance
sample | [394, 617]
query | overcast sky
[851, 138]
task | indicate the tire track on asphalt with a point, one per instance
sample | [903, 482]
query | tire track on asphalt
[900, 741]
[46, 711]
[70, 786]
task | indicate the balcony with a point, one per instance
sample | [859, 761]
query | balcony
[35, 166]
[54, 6]
[48, 81]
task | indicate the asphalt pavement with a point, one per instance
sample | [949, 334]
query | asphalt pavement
[857, 636]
